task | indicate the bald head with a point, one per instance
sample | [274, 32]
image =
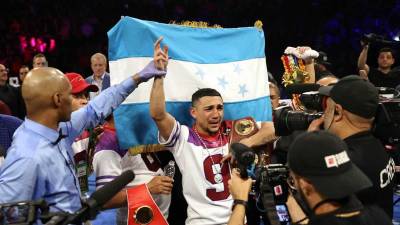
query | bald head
[327, 80]
[46, 89]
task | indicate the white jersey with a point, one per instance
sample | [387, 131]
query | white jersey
[208, 197]
[110, 161]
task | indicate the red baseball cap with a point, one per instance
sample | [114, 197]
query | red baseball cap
[79, 84]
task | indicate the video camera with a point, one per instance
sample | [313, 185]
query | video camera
[270, 178]
[379, 41]
[374, 38]
[286, 120]
[386, 125]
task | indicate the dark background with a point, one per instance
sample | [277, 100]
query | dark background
[70, 31]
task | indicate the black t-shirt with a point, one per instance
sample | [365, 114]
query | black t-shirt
[369, 155]
[353, 213]
[379, 79]
[12, 97]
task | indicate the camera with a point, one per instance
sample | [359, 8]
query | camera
[372, 38]
[312, 101]
[287, 120]
[270, 189]
[387, 122]
[275, 177]
[21, 213]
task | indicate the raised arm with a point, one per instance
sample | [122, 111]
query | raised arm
[307, 56]
[362, 59]
[164, 121]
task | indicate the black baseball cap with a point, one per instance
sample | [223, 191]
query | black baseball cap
[355, 95]
[323, 59]
[321, 157]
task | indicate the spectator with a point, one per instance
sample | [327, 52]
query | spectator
[11, 96]
[381, 76]
[23, 71]
[321, 66]
[110, 161]
[274, 95]
[100, 77]
[39, 60]
[349, 113]
[80, 98]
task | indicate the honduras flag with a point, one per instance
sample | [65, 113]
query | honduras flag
[230, 60]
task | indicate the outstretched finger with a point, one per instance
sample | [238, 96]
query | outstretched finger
[158, 42]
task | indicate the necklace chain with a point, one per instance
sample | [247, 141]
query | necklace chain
[205, 146]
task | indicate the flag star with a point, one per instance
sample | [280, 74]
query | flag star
[237, 69]
[222, 82]
[200, 73]
[243, 89]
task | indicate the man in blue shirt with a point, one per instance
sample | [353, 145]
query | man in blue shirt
[39, 164]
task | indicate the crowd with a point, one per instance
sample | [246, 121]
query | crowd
[57, 128]
[334, 27]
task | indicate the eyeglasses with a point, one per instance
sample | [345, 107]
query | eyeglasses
[4, 70]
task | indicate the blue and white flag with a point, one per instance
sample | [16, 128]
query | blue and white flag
[230, 60]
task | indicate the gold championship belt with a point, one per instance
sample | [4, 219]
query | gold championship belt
[142, 209]
[247, 127]
[243, 128]
[145, 149]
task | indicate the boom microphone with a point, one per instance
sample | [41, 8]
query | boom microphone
[104, 194]
[100, 197]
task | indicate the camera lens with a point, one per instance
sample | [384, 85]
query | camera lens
[286, 120]
[312, 100]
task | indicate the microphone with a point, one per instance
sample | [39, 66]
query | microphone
[244, 157]
[91, 207]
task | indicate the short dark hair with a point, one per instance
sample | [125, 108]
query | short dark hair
[386, 49]
[24, 66]
[204, 92]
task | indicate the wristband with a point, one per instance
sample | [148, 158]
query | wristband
[239, 202]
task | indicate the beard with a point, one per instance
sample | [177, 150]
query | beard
[303, 203]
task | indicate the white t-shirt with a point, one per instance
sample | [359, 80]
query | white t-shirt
[209, 201]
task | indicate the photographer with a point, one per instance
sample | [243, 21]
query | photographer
[324, 181]
[349, 113]
[381, 76]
